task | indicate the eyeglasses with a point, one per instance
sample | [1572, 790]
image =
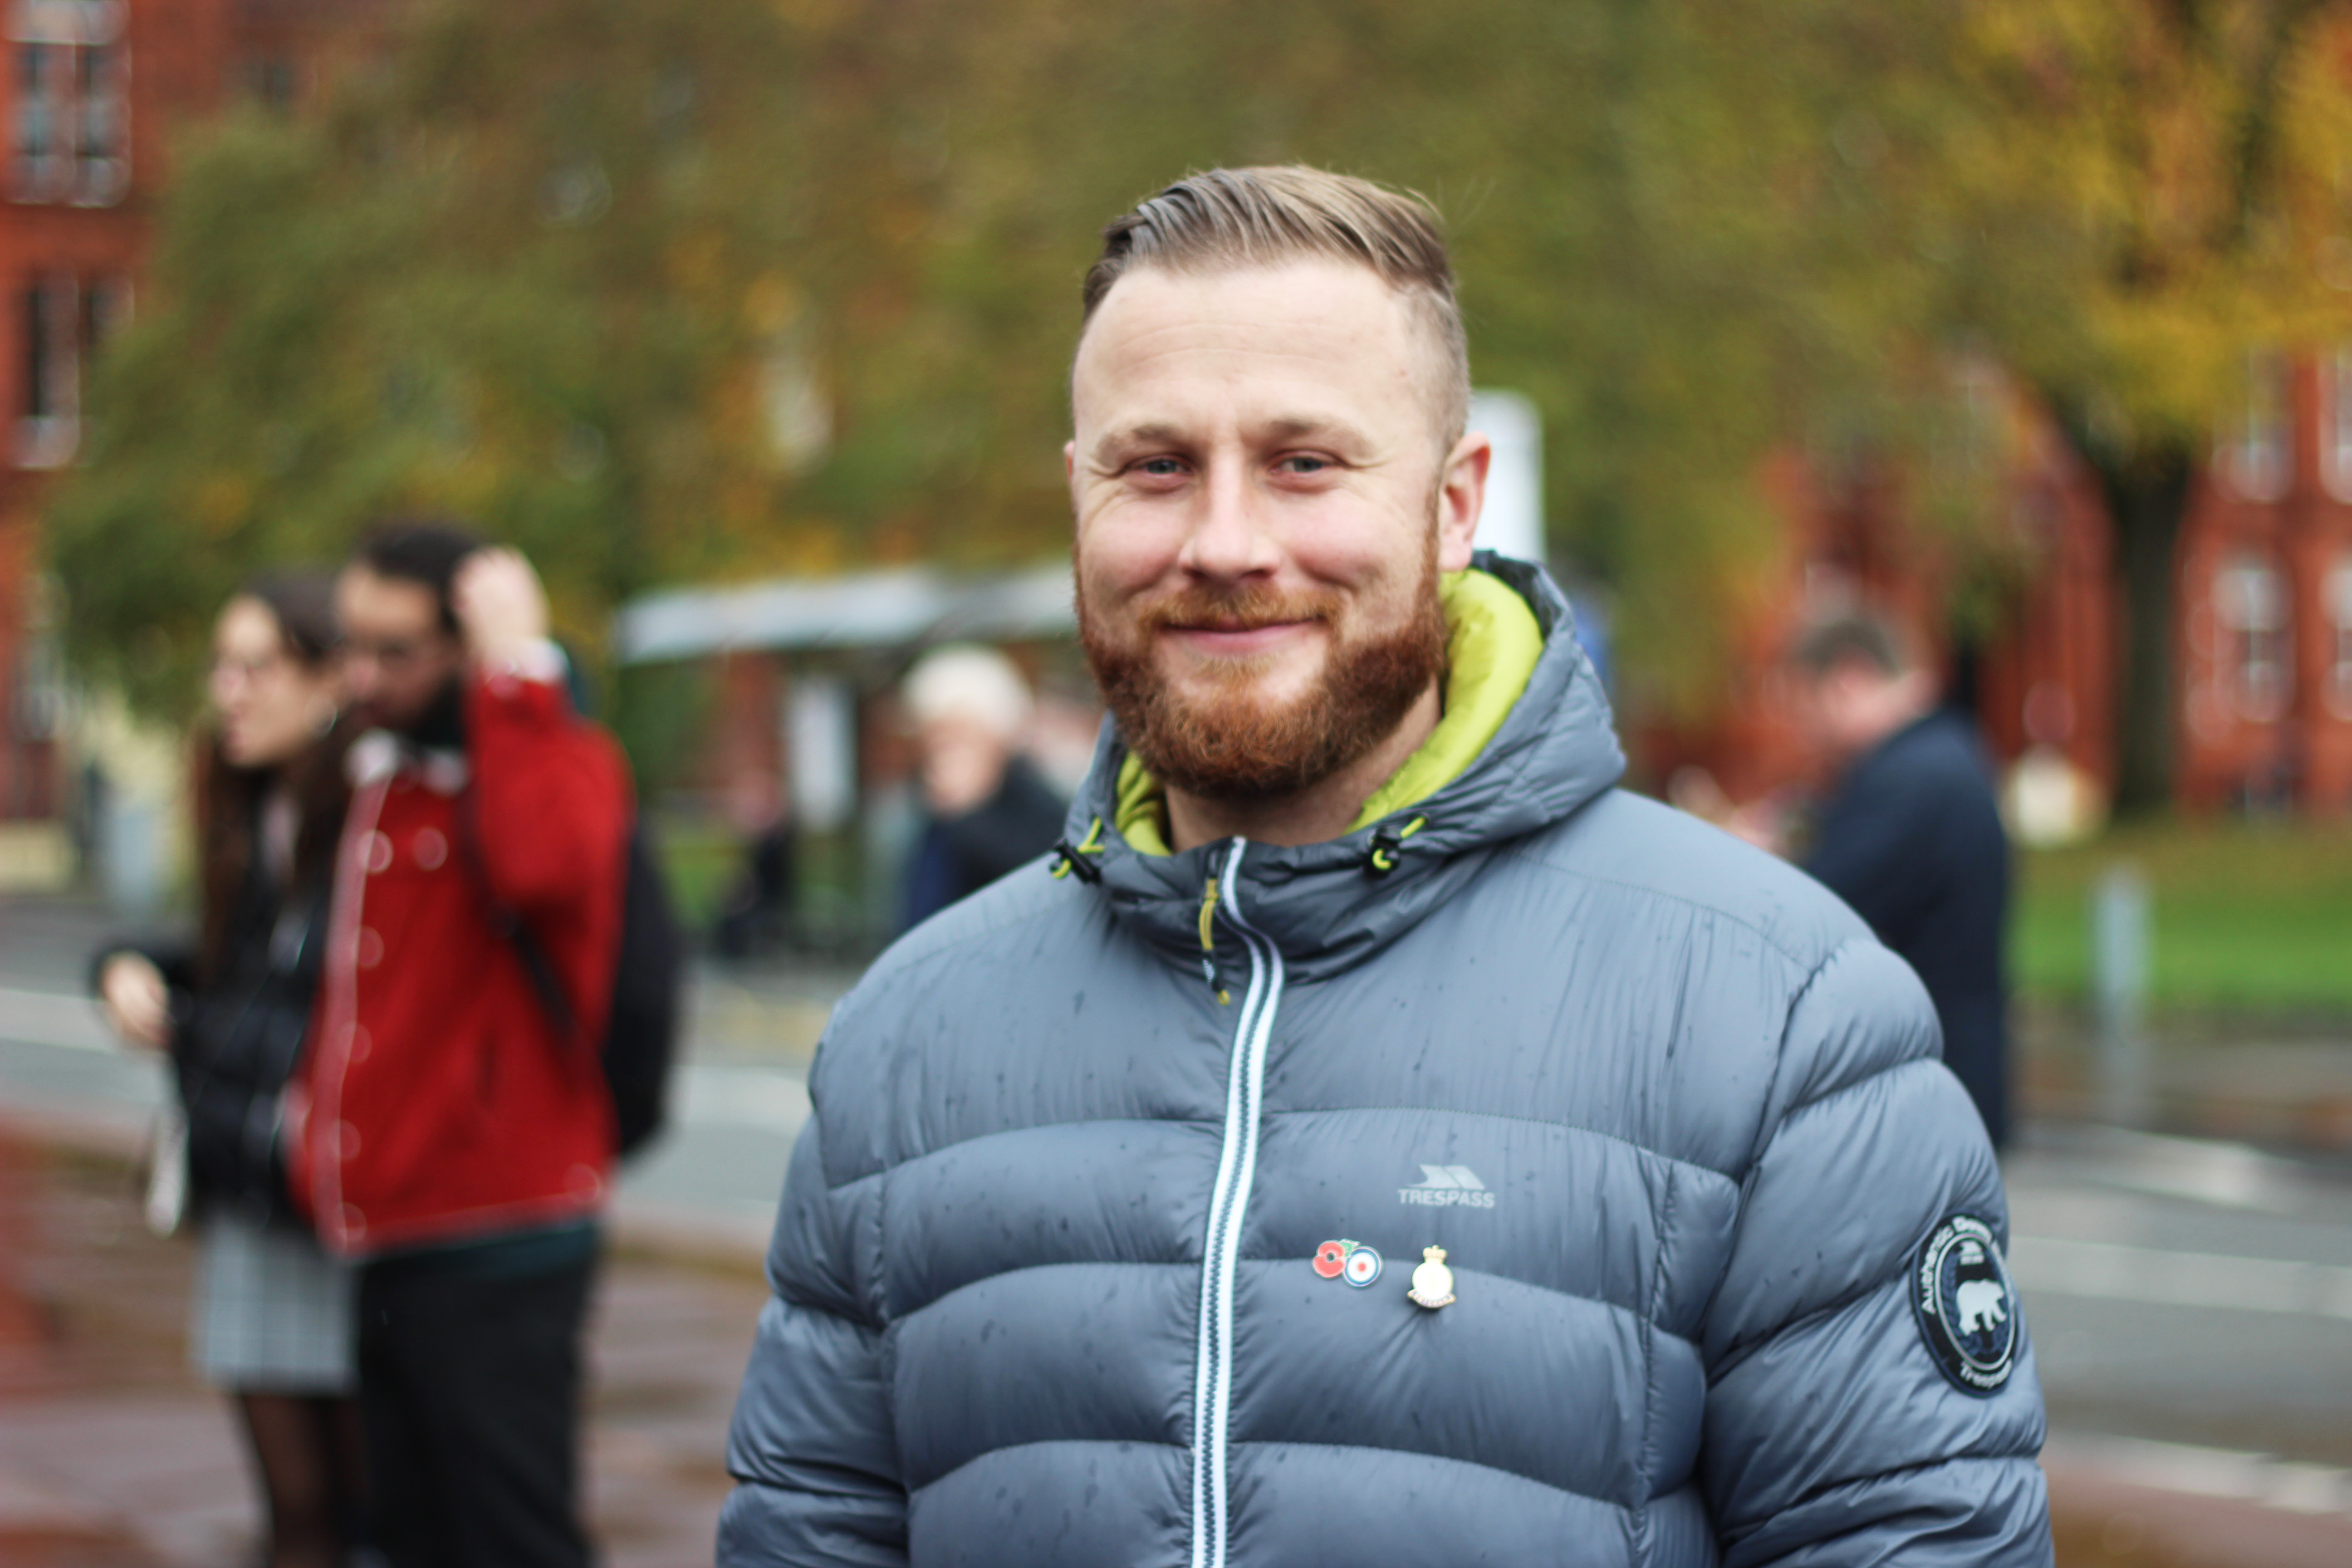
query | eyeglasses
[225, 669]
[393, 653]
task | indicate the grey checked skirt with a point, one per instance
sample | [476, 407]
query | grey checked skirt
[272, 1313]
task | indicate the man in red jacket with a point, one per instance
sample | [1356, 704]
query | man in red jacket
[447, 1130]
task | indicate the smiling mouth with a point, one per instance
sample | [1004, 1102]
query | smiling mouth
[1236, 637]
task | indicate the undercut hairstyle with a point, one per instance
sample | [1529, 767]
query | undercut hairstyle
[427, 552]
[1856, 637]
[1227, 219]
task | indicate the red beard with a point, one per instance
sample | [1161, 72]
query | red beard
[1226, 744]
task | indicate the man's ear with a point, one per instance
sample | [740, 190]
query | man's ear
[1461, 498]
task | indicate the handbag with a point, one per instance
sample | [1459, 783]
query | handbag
[165, 1204]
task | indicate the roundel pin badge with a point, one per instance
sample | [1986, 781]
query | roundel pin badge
[1965, 1305]
[1351, 1260]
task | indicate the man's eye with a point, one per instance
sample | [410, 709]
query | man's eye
[1300, 463]
[1159, 467]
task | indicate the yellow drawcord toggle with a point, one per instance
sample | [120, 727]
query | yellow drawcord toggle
[1070, 853]
[1208, 910]
[1386, 842]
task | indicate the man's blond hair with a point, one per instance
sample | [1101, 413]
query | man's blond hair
[1225, 219]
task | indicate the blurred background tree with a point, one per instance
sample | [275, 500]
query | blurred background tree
[2160, 190]
[522, 266]
[666, 290]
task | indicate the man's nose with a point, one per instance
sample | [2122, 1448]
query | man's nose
[1230, 538]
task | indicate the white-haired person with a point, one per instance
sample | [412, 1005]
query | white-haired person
[986, 810]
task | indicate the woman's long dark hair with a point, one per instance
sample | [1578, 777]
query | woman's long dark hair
[228, 798]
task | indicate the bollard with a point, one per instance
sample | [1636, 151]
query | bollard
[2120, 969]
[132, 855]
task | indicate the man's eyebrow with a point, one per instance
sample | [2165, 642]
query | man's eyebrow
[1291, 426]
[1149, 434]
[1283, 427]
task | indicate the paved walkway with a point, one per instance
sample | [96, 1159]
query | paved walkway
[2191, 1302]
[111, 1455]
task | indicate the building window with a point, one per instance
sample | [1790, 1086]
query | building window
[2339, 641]
[61, 322]
[2336, 425]
[2250, 607]
[72, 72]
[2254, 450]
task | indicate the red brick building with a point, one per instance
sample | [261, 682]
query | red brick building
[92, 93]
[2264, 632]
[2261, 614]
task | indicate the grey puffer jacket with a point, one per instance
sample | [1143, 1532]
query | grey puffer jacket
[1098, 1245]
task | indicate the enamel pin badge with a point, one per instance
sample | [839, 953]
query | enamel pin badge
[1433, 1282]
[1351, 1260]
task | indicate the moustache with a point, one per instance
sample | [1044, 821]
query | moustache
[1201, 608]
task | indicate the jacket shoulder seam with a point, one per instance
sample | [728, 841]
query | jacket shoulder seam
[1522, 851]
[939, 945]
[1866, 1080]
[1736, 1355]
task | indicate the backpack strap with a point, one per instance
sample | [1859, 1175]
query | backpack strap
[508, 922]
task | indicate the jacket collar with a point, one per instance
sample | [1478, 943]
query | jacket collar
[375, 756]
[1329, 906]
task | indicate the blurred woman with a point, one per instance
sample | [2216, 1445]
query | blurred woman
[272, 1323]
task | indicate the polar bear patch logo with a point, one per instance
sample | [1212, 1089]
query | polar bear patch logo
[1983, 1305]
[1965, 1305]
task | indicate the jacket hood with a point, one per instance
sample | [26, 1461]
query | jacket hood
[1330, 906]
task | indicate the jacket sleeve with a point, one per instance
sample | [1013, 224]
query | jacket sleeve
[1832, 1436]
[813, 1442]
[550, 793]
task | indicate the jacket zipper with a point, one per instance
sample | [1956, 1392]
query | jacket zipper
[339, 973]
[1228, 1204]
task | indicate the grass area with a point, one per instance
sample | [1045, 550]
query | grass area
[2248, 917]
[702, 860]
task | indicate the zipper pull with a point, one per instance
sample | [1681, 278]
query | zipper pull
[1209, 940]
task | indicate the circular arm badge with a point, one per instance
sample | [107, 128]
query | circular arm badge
[1965, 1306]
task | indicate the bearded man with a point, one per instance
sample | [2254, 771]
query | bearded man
[1371, 1138]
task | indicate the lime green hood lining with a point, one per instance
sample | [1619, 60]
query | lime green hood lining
[1492, 643]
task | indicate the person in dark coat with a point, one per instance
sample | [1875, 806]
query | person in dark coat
[757, 914]
[1911, 838]
[987, 812]
[272, 1322]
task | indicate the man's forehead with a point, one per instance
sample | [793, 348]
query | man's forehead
[1304, 342]
[362, 587]
[1309, 296]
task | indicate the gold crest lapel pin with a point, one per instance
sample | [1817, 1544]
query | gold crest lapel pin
[1433, 1282]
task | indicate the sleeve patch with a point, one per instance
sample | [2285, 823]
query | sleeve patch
[1965, 1306]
